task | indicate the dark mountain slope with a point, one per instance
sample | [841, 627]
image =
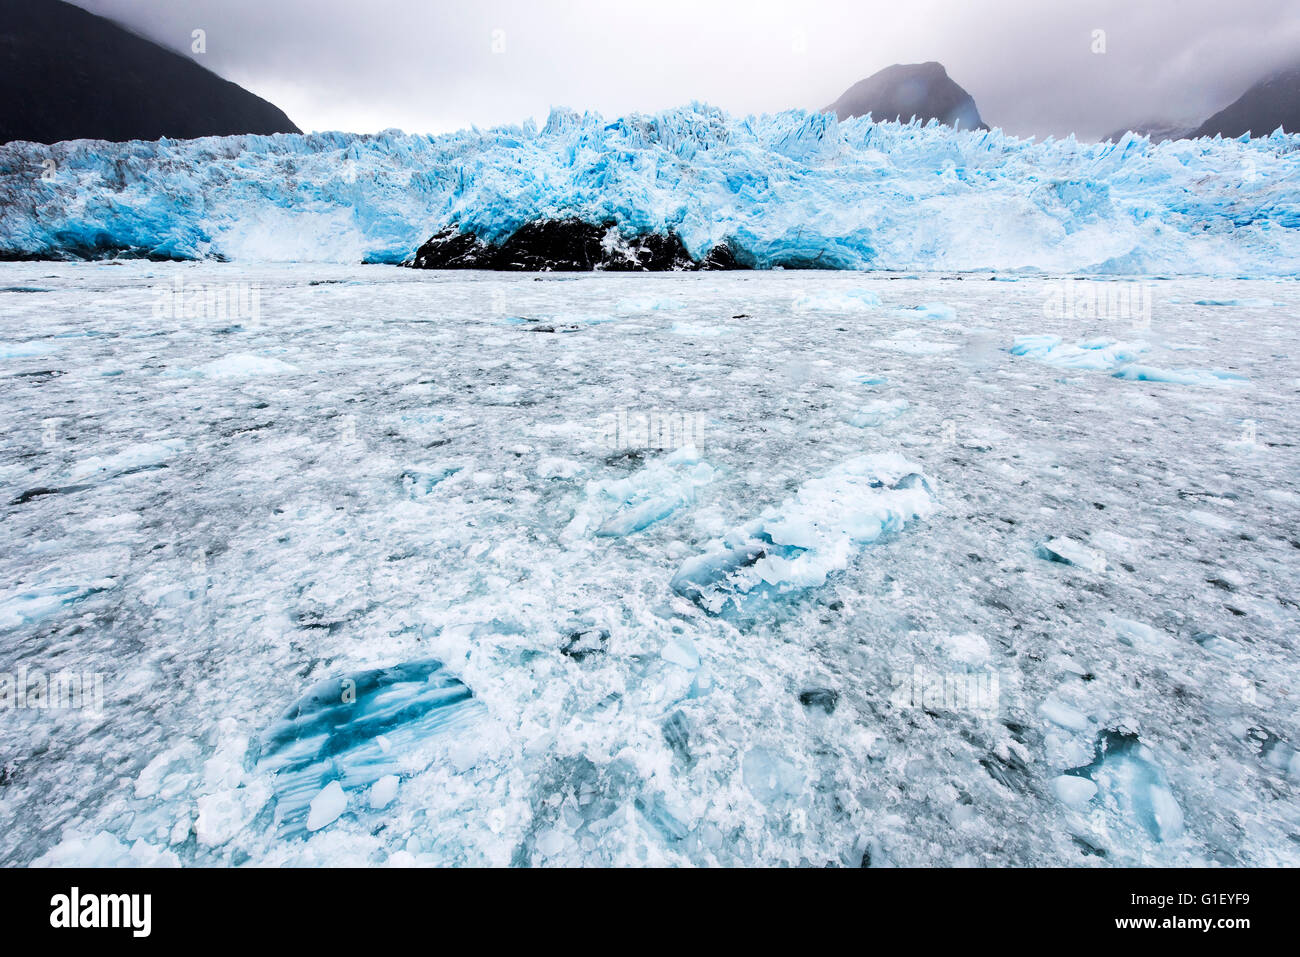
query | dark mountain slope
[1270, 103]
[907, 90]
[68, 74]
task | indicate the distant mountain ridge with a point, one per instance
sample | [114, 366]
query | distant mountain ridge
[69, 74]
[1270, 103]
[904, 91]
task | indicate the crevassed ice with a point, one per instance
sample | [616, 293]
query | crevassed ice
[793, 187]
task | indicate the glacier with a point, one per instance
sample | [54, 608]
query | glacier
[793, 189]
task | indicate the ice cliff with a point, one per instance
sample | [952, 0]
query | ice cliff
[793, 189]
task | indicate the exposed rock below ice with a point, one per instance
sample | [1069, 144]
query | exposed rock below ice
[567, 245]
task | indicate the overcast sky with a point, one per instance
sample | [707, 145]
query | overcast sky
[439, 65]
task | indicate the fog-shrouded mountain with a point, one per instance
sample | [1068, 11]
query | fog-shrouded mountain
[910, 90]
[1270, 103]
[1158, 131]
[68, 74]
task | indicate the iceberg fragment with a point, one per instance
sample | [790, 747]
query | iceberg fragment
[877, 412]
[1095, 354]
[351, 731]
[1212, 377]
[1130, 784]
[1067, 551]
[792, 548]
[621, 507]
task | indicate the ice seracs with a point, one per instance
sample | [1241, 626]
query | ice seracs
[681, 189]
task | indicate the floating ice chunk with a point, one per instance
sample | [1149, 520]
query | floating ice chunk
[1073, 791]
[134, 458]
[1067, 551]
[819, 531]
[878, 412]
[697, 329]
[104, 850]
[1062, 714]
[1254, 303]
[1134, 633]
[1035, 347]
[680, 650]
[384, 791]
[639, 516]
[846, 300]
[1211, 377]
[357, 728]
[327, 806]
[620, 507]
[1093, 354]
[419, 480]
[666, 820]
[225, 813]
[969, 648]
[1131, 784]
[770, 776]
[1217, 644]
[934, 310]
[245, 366]
[23, 350]
[648, 304]
[34, 604]
[1210, 519]
[163, 767]
[555, 467]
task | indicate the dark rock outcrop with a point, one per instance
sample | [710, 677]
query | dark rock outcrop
[910, 90]
[1270, 103]
[566, 245]
[68, 74]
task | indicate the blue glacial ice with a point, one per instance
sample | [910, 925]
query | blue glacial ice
[1129, 784]
[792, 189]
[1143, 373]
[614, 508]
[349, 732]
[795, 546]
[1094, 354]
[1121, 359]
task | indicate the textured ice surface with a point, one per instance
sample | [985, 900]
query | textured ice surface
[792, 189]
[796, 545]
[217, 547]
[354, 730]
[1119, 358]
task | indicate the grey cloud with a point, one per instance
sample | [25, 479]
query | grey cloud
[430, 65]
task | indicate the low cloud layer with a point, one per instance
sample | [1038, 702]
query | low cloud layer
[435, 65]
